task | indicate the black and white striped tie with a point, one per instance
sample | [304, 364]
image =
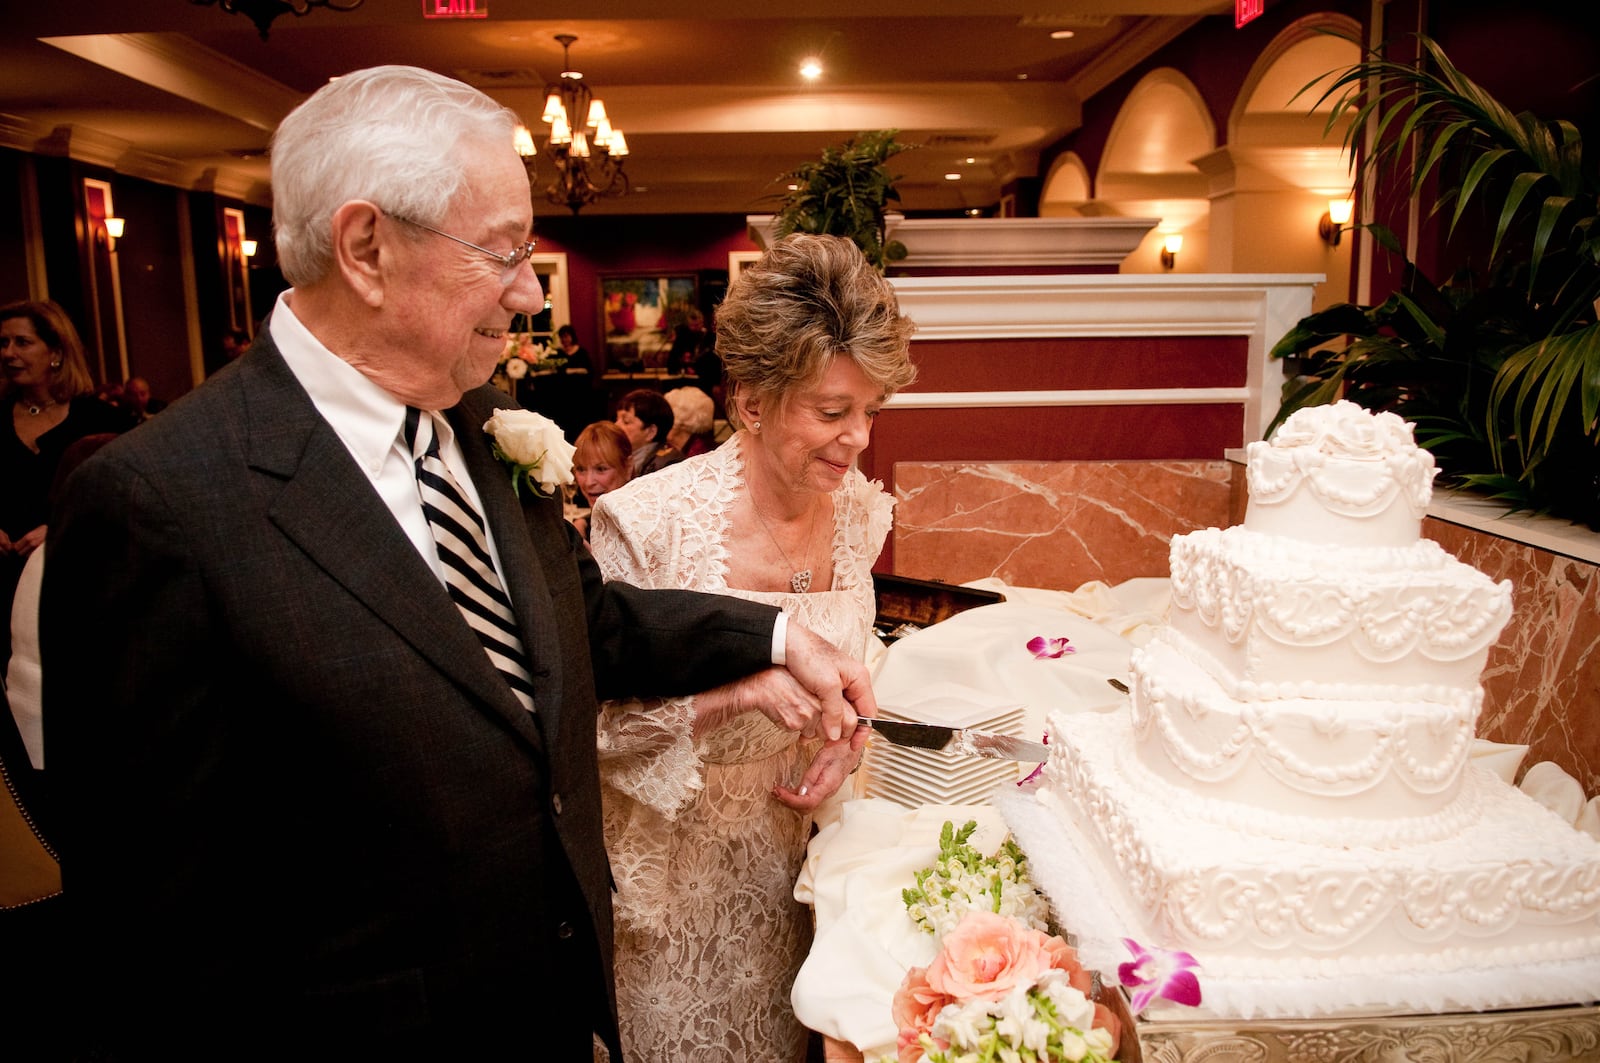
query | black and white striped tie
[469, 574]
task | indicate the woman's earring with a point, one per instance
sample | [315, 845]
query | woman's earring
[56, 364]
[756, 427]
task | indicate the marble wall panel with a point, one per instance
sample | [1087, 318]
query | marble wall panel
[1051, 524]
[1542, 683]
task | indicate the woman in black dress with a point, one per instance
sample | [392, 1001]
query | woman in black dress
[48, 400]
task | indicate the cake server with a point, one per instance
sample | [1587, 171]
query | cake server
[957, 740]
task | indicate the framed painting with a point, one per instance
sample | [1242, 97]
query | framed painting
[638, 313]
[738, 260]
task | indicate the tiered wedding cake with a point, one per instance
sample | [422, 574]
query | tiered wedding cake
[1290, 798]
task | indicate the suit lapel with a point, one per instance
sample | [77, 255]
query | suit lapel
[331, 512]
[524, 575]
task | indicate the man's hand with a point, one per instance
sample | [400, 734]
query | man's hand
[838, 681]
[28, 542]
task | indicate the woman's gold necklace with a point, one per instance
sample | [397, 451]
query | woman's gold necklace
[800, 579]
[35, 409]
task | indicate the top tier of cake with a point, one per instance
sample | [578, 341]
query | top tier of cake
[1339, 474]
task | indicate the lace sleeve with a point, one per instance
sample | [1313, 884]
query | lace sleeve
[647, 749]
[648, 752]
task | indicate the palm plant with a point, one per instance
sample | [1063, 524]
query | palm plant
[847, 193]
[1499, 367]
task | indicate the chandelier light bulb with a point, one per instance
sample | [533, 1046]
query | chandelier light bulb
[552, 107]
[597, 114]
[811, 69]
[522, 140]
[619, 146]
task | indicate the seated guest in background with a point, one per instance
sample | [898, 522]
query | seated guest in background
[600, 463]
[571, 350]
[687, 340]
[707, 804]
[235, 341]
[322, 685]
[50, 403]
[691, 421]
[137, 400]
[647, 418]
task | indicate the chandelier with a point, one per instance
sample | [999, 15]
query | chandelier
[262, 12]
[587, 158]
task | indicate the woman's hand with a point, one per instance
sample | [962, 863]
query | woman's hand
[774, 692]
[826, 773]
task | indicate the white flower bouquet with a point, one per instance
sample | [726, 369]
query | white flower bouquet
[964, 880]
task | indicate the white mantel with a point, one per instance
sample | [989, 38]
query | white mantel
[988, 243]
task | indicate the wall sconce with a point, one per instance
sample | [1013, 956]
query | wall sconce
[1330, 227]
[1169, 250]
[248, 247]
[111, 229]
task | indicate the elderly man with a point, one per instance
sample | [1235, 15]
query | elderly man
[326, 738]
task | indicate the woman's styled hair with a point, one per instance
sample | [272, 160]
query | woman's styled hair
[808, 300]
[388, 135]
[691, 410]
[55, 330]
[606, 441]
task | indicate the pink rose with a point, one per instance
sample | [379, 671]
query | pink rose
[988, 955]
[1064, 957]
[916, 1005]
[1106, 1019]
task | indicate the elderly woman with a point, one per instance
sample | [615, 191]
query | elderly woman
[708, 804]
[692, 411]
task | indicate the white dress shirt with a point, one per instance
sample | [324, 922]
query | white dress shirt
[367, 419]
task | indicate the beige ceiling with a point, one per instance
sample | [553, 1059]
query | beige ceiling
[709, 95]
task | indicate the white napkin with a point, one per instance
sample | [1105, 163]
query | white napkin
[1499, 757]
[987, 649]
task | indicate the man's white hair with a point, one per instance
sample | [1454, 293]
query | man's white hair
[388, 135]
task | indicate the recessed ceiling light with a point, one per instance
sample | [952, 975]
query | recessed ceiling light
[973, 212]
[1063, 35]
[811, 69]
[952, 177]
[970, 160]
[1022, 77]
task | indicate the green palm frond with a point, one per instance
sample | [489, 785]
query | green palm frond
[1499, 367]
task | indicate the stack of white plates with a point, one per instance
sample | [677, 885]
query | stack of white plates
[915, 777]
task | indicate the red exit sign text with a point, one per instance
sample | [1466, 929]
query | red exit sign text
[455, 8]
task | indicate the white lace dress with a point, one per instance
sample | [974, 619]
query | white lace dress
[709, 935]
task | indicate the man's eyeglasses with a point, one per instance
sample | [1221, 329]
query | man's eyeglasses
[509, 263]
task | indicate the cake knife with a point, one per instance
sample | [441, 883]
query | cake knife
[957, 740]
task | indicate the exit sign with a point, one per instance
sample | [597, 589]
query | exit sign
[1245, 10]
[455, 8]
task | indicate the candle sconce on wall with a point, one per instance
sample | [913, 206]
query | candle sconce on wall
[1331, 225]
[110, 230]
[1170, 246]
[248, 247]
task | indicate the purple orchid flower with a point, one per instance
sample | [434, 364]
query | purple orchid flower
[1036, 772]
[1049, 649]
[1159, 973]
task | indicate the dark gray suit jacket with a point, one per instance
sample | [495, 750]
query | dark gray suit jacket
[298, 799]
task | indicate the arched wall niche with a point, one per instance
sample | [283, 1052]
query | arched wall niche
[1283, 162]
[1147, 169]
[1066, 192]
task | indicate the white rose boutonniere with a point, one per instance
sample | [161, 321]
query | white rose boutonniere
[534, 447]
